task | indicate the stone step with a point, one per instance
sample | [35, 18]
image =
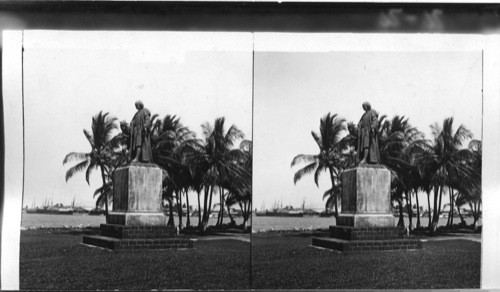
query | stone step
[136, 231]
[366, 233]
[126, 244]
[348, 246]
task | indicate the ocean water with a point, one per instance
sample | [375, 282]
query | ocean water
[264, 223]
[260, 223]
[83, 220]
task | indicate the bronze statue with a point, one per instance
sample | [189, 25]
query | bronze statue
[140, 143]
[368, 150]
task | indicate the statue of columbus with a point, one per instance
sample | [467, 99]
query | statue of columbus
[140, 143]
[368, 150]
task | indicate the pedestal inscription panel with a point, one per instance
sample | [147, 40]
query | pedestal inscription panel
[366, 197]
[137, 195]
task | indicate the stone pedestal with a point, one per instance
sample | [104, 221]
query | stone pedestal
[137, 196]
[127, 237]
[366, 222]
[366, 197]
[137, 220]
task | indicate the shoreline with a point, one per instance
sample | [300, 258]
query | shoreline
[299, 232]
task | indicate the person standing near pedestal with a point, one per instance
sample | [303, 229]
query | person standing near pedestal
[140, 143]
[368, 136]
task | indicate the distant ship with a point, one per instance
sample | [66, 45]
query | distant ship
[52, 211]
[280, 213]
[50, 208]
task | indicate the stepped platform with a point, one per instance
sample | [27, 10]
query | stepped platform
[366, 222]
[126, 237]
[363, 239]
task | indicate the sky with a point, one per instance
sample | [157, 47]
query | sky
[71, 76]
[294, 90]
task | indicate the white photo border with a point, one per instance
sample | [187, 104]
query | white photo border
[303, 42]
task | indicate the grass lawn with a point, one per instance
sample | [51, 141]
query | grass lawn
[56, 259]
[287, 261]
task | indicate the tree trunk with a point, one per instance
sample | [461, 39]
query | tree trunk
[230, 215]
[335, 199]
[437, 212]
[221, 208]
[401, 221]
[336, 210]
[435, 215]
[476, 214]
[418, 209]
[219, 213]
[188, 219]
[429, 209]
[222, 203]
[462, 220]
[245, 210]
[408, 207]
[248, 208]
[210, 203]
[441, 189]
[179, 207]
[205, 208]
[208, 209]
[199, 208]
[105, 195]
[452, 207]
[171, 212]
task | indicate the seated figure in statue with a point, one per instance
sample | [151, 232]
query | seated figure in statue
[368, 150]
[140, 143]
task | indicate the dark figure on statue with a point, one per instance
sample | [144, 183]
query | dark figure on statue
[368, 136]
[140, 143]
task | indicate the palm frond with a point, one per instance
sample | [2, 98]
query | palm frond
[77, 168]
[92, 165]
[321, 168]
[75, 156]
[306, 170]
[318, 140]
[304, 158]
[89, 137]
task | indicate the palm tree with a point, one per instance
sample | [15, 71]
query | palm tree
[475, 190]
[396, 138]
[218, 160]
[470, 187]
[231, 200]
[244, 198]
[460, 200]
[445, 159]
[240, 188]
[330, 157]
[100, 156]
[168, 141]
[397, 189]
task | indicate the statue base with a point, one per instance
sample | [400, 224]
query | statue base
[367, 239]
[126, 237]
[137, 220]
[366, 222]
